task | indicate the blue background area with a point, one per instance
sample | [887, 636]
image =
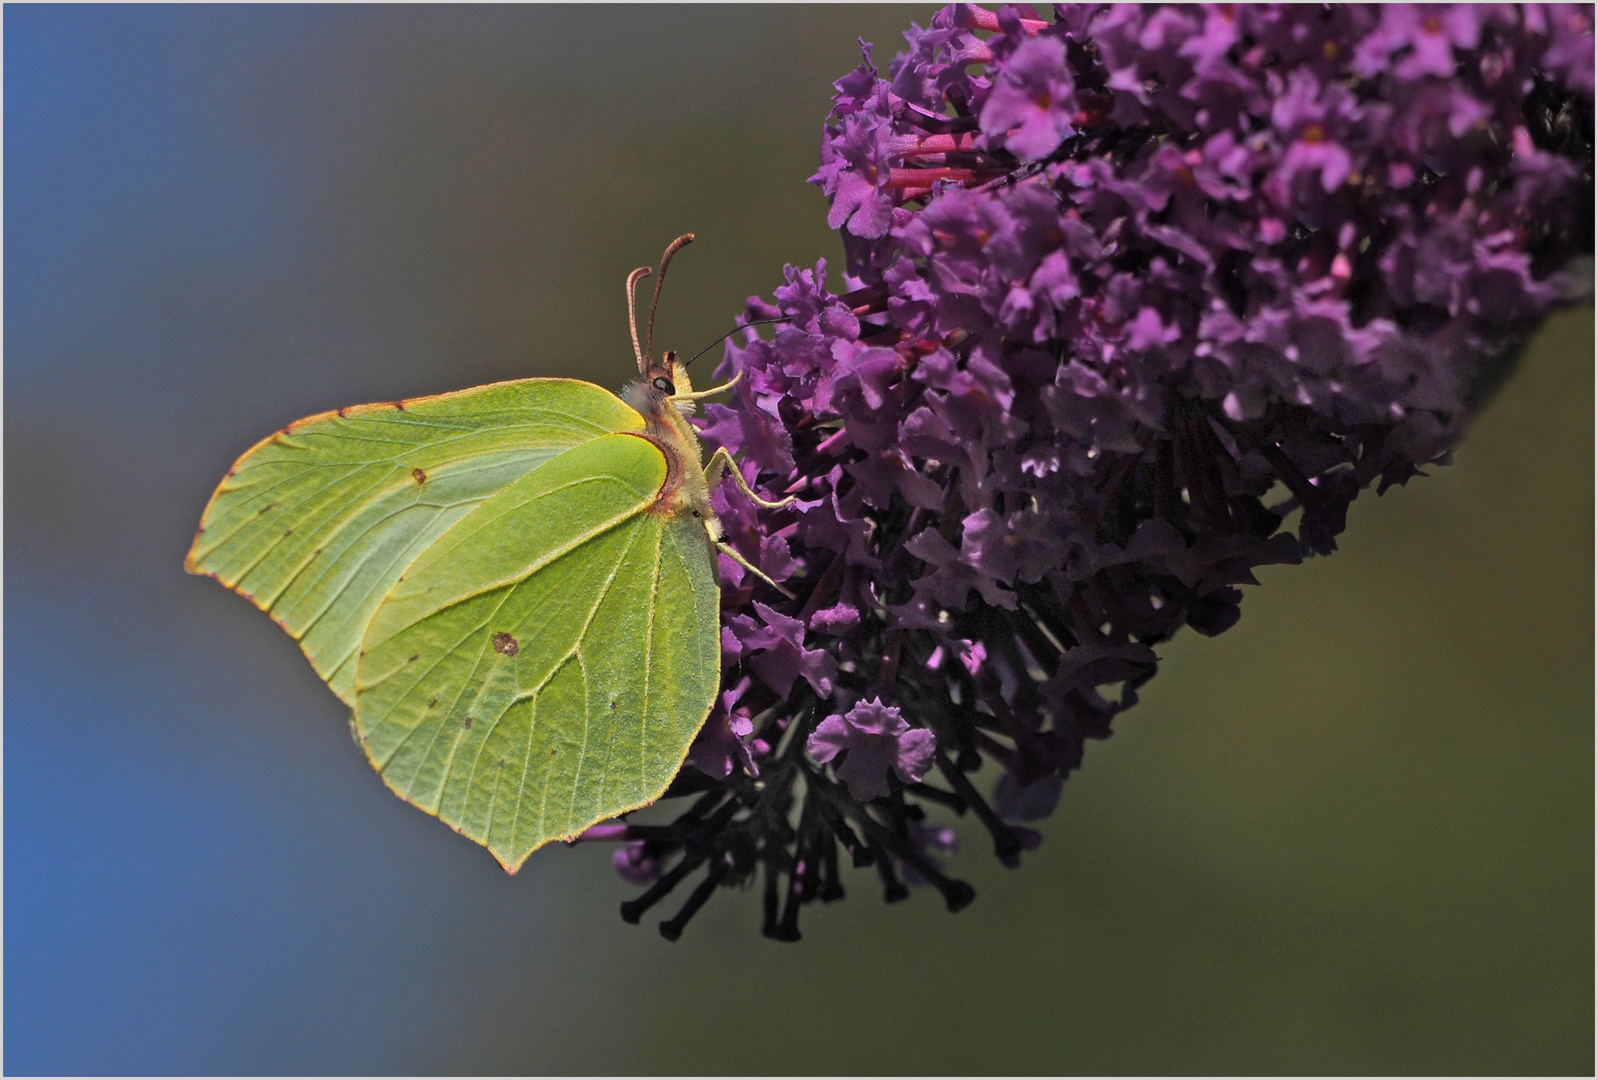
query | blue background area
[1353, 834]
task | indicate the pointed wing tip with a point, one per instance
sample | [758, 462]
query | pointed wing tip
[193, 565]
[511, 862]
[194, 561]
[192, 558]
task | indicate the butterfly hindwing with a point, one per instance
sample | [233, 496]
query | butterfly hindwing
[546, 663]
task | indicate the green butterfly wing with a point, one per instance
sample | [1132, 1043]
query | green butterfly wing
[547, 662]
[528, 645]
[315, 524]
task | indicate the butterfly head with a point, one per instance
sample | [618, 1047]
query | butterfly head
[663, 384]
[659, 380]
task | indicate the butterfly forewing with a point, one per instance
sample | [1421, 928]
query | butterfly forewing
[316, 523]
[546, 663]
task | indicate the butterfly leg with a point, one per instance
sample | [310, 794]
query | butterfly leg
[697, 394]
[721, 464]
[733, 554]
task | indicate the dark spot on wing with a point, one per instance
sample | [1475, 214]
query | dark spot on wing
[265, 508]
[506, 644]
[553, 751]
[501, 763]
[342, 413]
[430, 704]
[612, 704]
[419, 475]
[467, 723]
[288, 532]
[400, 405]
[413, 656]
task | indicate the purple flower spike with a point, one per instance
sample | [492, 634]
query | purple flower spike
[877, 739]
[1135, 302]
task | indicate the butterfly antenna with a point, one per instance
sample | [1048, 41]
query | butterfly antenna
[665, 260]
[730, 333]
[632, 314]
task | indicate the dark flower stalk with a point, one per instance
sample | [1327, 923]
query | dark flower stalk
[1138, 298]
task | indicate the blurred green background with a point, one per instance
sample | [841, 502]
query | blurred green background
[1354, 834]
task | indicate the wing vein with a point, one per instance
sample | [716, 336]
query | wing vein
[588, 621]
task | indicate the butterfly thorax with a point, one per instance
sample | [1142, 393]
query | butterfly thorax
[661, 398]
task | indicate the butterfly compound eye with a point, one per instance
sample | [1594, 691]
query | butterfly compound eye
[664, 385]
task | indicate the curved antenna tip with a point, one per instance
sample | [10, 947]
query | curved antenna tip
[632, 314]
[665, 260]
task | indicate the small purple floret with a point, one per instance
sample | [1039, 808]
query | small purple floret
[634, 864]
[877, 739]
[1030, 107]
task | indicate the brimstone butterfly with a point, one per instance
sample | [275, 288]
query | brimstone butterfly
[513, 587]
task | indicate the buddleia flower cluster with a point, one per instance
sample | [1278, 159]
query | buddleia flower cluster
[1137, 299]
